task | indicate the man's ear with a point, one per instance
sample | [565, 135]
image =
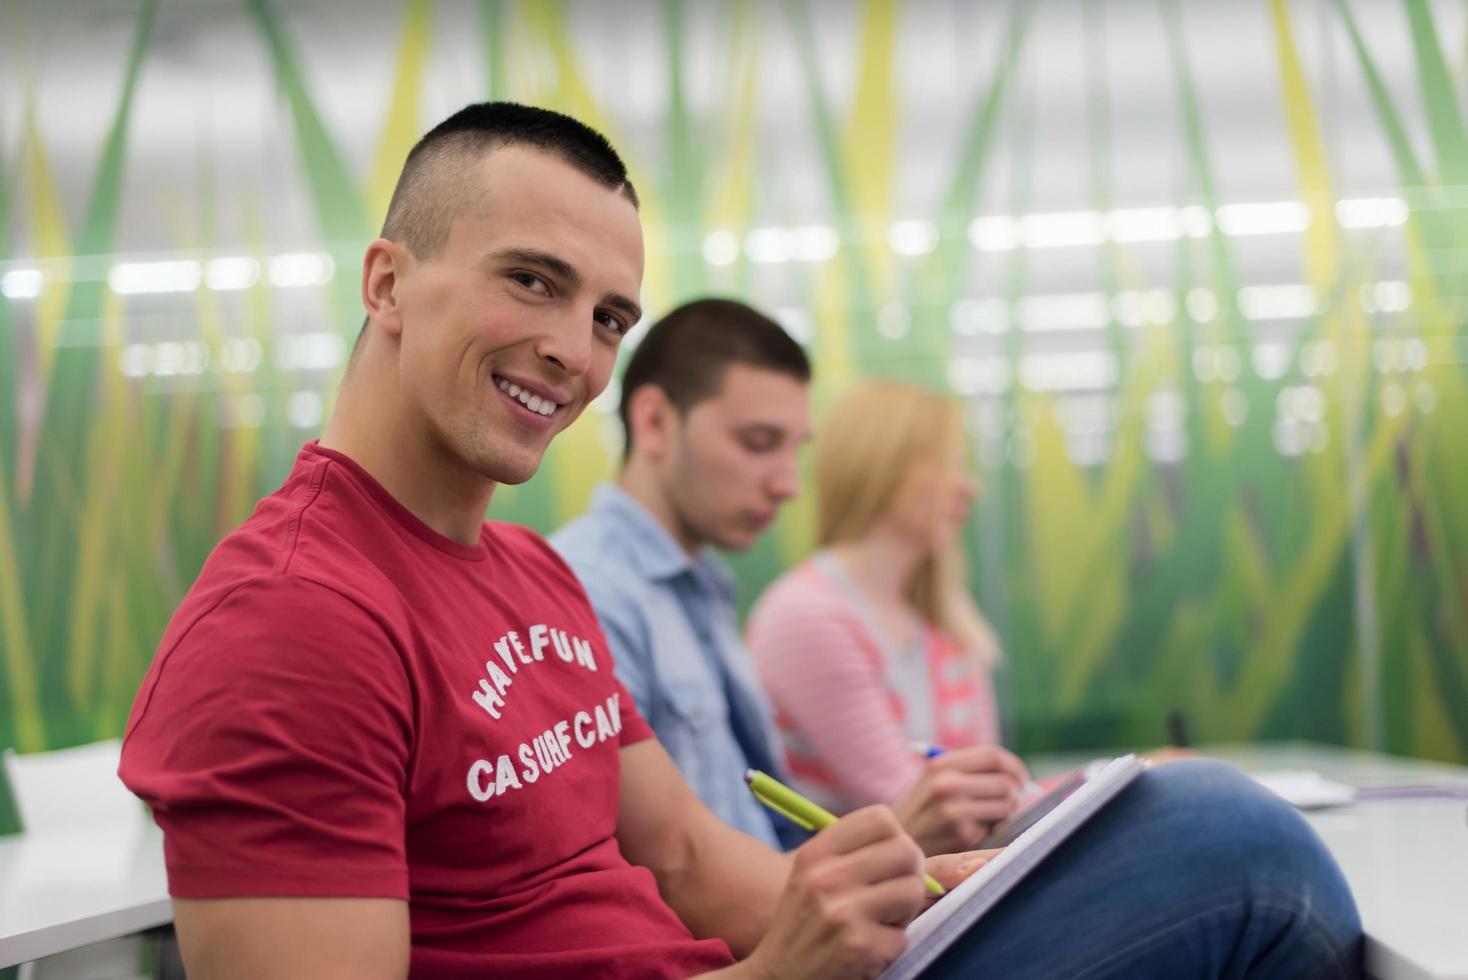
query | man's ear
[382, 270]
[652, 421]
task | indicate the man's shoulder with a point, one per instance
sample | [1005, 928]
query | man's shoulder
[594, 538]
[601, 550]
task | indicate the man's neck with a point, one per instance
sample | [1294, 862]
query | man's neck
[382, 438]
[642, 485]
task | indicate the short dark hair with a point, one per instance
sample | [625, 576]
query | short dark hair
[436, 183]
[687, 352]
[434, 187]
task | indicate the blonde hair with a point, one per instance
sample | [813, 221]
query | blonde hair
[871, 438]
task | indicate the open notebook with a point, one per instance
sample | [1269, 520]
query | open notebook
[940, 926]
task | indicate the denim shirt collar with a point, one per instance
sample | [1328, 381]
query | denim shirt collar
[652, 549]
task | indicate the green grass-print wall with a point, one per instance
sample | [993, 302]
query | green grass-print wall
[1264, 593]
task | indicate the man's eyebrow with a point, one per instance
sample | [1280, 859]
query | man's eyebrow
[629, 307]
[554, 264]
[567, 273]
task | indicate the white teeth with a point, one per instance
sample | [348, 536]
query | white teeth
[537, 404]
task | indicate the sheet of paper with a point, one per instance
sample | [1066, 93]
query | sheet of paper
[1306, 789]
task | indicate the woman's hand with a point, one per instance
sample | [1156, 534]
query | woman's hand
[960, 795]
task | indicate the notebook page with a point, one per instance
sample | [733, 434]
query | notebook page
[936, 929]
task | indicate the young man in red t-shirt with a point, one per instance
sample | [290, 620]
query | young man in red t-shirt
[383, 736]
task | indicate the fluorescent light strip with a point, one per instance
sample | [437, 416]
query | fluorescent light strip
[301, 269]
[232, 272]
[912, 237]
[172, 276]
[22, 283]
[1271, 218]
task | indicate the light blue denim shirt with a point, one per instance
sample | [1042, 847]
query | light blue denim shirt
[670, 622]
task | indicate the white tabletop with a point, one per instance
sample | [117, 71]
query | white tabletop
[1407, 864]
[1406, 861]
[60, 891]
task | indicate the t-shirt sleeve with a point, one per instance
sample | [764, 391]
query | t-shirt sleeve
[815, 666]
[273, 743]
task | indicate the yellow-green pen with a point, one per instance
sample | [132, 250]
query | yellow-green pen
[800, 811]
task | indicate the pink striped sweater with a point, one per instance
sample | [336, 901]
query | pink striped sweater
[848, 708]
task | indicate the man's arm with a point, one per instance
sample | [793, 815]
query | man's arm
[836, 908]
[721, 882]
[290, 938]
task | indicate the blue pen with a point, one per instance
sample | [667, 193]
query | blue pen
[930, 751]
[926, 749]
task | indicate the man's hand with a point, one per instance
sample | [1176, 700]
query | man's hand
[853, 888]
[960, 795]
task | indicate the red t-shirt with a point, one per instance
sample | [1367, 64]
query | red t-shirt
[350, 704]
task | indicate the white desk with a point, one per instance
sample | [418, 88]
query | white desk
[63, 891]
[1406, 861]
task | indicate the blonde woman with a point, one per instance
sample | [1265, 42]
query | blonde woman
[874, 643]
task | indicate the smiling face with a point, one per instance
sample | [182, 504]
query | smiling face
[510, 330]
[732, 458]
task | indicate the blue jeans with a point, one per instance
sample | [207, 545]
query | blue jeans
[1193, 871]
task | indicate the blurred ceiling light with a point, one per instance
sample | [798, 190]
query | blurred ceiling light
[1061, 229]
[1202, 304]
[1064, 311]
[1136, 307]
[814, 243]
[175, 276]
[304, 409]
[22, 283]
[979, 375]
[893, 321]
[720, 247]
[767, 246]
[1271, 360]
[233, 272]
[1166, 409]
[240, 355]
[993, 233]
[301, 269]
[310, 351]
[136, 360]
[1414, 354]
[1144, 225]
[1197, 221]
[173, 357]
[1283, 302]
[971, 317]
[1387, 296]
[1273, 218]
[1289, 437]
[1371, 212]
[912, 237]
[1068, 371]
